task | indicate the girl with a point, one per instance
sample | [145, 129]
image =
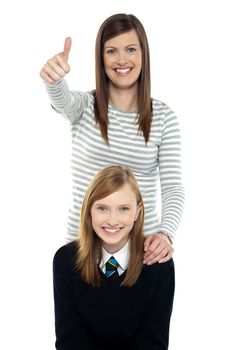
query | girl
[105, 298]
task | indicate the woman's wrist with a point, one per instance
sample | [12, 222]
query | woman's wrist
[167, 235]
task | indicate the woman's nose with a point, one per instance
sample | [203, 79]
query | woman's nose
[122, 59]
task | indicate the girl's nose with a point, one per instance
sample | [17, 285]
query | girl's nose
[112, 219]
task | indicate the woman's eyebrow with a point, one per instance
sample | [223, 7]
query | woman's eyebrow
[113, 47]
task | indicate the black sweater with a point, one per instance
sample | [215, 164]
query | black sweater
[111, 317]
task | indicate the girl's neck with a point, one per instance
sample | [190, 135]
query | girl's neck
[124, 99]
[112, 249]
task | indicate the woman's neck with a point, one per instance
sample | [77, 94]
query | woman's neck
[124, 99]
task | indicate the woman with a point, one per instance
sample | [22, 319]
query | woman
[120, 124]
[105, 298]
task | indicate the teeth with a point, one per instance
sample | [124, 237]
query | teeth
[123, 71]
[111, 230]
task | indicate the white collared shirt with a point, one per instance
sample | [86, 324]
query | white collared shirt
[122, 257]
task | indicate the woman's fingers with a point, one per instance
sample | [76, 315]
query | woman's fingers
[159, 249]
[57, 66]
[67, 48]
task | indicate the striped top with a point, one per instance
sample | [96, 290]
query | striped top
[160, 159]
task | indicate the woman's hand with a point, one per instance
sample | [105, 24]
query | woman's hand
[158, 248]
[57, 66]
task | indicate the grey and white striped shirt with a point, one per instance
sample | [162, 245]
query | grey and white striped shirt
[159, 159]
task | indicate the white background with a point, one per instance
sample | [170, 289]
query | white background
[191, 62]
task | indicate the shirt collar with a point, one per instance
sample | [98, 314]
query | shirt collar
[122, 256]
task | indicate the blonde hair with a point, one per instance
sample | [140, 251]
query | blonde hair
[89, 252]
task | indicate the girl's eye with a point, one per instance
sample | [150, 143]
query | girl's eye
[101, 208]
[124, 209]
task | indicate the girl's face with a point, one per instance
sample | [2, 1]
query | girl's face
[113, 218]
[123, 60]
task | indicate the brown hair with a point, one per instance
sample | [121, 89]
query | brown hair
[111, 27]
[89, 252]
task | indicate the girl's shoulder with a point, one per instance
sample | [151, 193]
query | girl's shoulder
[160, 268]
[65, 254]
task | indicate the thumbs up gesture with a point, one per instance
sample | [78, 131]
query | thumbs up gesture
[57, 66]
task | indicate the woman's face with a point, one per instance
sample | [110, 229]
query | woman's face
[113, 218]
[123, 60]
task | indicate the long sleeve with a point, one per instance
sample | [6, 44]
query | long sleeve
[70, 332]
[153, 334]
[70, 104]
[172, 190]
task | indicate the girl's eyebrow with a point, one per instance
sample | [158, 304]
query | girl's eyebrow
[121, 205]
[98, 203]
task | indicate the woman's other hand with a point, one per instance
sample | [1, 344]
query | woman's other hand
[57, 67]
[157, 248]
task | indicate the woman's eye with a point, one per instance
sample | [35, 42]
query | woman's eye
[131, 49]
[111, 51]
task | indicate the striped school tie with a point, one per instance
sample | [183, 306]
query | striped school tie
[111, 267]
